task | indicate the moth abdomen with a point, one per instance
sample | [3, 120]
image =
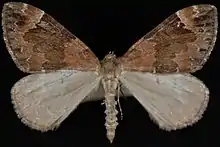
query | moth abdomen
[111, 117]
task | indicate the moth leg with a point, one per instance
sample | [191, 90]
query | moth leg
[118, 96]
[122, 93]
[103, 102]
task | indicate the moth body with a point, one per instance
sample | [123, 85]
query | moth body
[65, 72]
[110, 71]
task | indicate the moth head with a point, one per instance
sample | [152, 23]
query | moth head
[110, 56]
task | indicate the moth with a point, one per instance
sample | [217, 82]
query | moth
[65, 72]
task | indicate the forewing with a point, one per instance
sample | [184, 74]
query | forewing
[38, 43]
[181, 43]
[43, 101]
[173, 101]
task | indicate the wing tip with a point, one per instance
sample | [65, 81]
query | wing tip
[11, 4]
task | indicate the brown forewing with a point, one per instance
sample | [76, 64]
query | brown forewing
[38, 43]
[181, 43]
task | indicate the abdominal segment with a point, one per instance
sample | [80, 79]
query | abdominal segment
[110, 87]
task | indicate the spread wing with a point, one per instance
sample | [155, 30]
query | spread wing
[173, 101]
[38, 43]
[43, 101]
[181, 43]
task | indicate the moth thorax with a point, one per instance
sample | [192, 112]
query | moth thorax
[110, 66]
[110, 86]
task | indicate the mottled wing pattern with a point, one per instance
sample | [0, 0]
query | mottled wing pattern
[38, 43]
[181, 43]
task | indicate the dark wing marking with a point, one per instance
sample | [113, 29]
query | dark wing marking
[181, 43]
[38, 43]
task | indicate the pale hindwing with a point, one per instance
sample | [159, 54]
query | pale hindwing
[43, 101]
[173, 101]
